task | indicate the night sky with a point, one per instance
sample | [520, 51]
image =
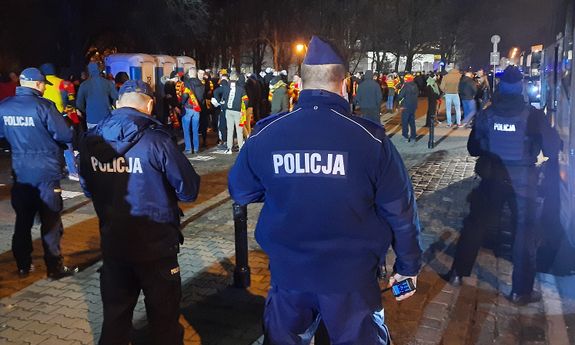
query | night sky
[36, 31]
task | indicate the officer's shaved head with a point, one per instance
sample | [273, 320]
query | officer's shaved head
[36, 85]
[136, 100]
[326, 77]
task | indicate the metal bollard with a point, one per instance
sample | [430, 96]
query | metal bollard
[242, 270]
[431, 142]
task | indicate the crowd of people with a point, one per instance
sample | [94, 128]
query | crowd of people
[445, 91]
[330, 215]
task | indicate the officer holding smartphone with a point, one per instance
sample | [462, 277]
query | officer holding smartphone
[336, 195]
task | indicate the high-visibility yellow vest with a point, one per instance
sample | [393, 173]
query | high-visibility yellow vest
[53, 92]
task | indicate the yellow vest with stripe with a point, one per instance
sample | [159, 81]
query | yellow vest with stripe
[53, 92]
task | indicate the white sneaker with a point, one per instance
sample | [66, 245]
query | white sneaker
[228, 152]
[74, 177]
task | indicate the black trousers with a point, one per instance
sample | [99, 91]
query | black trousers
[120, 286]
[431, 108]
[486, 205]
[408, 121]
[45, 199]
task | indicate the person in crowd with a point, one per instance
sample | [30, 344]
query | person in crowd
[433, 94]
[234, 100]
[221, 90]
[278, 96]
[191, 105]
[8, 85]
[37, 133]
[369, 98]
[507, 137]
[203, 90]
[120, 79]
[483, 89]
[137, 207]
[254, 94]
[329, 214]
[408, 101]
[96, 96]
[62, 93]
[171, 103]
[392, 88]
[450, 87]
[467, 93]
[295, 88]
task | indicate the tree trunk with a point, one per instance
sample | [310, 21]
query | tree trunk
[397, 56]
[409, 61]
[276, 50]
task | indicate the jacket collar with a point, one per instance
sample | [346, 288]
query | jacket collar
[27, 91]
[309, 98]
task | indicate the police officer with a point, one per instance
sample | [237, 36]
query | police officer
[133, 171]
[37, 134]
[334, 202]
[507, 137]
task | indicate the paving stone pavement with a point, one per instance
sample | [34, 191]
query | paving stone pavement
[69, 311]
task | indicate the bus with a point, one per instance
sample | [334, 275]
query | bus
[558, 101]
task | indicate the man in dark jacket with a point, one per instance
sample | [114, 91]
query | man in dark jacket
[467, 92]
[369, 98]
[330, 215]
[38, 135]
[222, 89]
[135, 174]
[232, 98]
[96, 96]
[507, 137]
[408, 101]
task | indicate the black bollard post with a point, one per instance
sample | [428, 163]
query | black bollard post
[242, 270]
[431, 142]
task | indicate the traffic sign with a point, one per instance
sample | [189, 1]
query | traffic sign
[494, 58]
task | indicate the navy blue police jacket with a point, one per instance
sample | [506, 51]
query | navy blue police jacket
[37, 134]
[512, 133]
[135, 174]
[336, 195]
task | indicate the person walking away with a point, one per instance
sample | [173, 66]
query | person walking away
[467, 92]
[433, 94]
[96, 96]
[233, 107]
[369, 98]
[408, 101]
[507, 137]
[329, 214]
[135, 175]
[37, 133]
[450, 87]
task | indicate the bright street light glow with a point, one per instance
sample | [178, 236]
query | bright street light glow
[299, 48]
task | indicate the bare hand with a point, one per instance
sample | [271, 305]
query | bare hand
[398, 278]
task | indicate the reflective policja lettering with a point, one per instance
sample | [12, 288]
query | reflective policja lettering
[130, 165]
[303, 163]
[504, 127]
[19, 121]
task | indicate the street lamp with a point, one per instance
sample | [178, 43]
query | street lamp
[299, 48]
[300, 52]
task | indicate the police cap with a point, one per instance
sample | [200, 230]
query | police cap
[137, 86]
[320, 52]
[33, 74]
